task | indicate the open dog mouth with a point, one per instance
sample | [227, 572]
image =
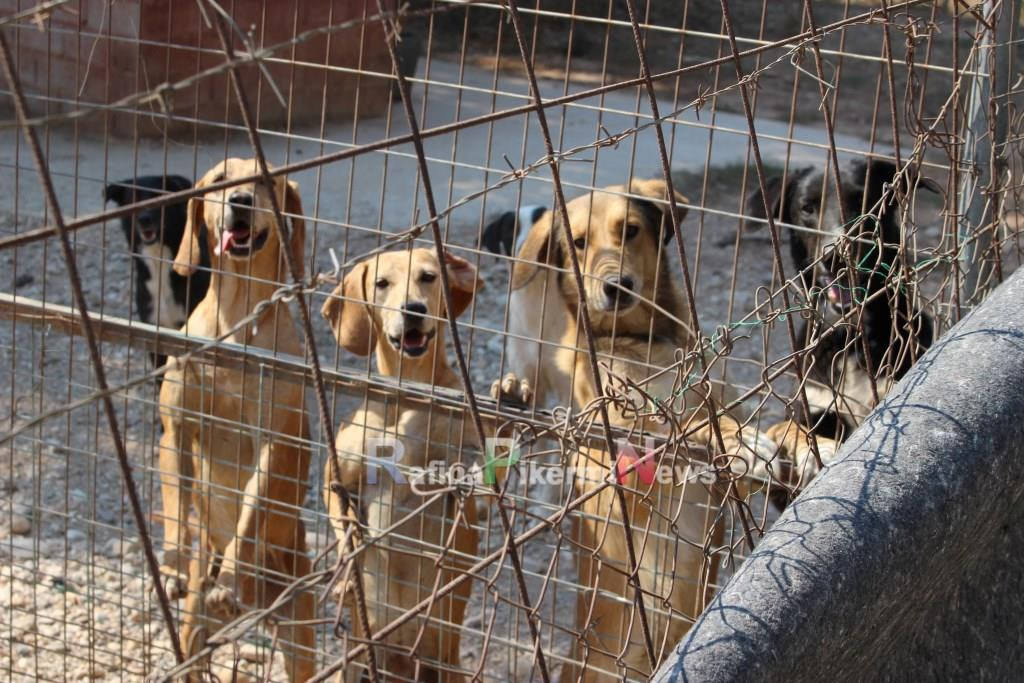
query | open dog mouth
[412, 342]
[238, 240]
[837, 291]
[147, 231]
[147, 236]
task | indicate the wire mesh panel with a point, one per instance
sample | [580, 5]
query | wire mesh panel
[458, 339]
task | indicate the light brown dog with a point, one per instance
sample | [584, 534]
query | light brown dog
[392, 304]
[640, 322]
[245, 437]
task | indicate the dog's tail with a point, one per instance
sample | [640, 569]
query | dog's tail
[506, 233]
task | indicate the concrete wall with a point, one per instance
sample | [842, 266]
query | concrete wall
[106, 51]
[903, 559]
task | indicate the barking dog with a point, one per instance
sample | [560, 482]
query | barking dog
[162, 296]
[246, 440]
[853, 268]
[392, 305]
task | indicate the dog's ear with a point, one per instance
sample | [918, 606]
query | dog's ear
[540, 246]
[189, 251]
[756, 202]
[884, 170]
[349, 317]
[293, 205]
[464, 281]
[176, 183]
[873, 175]
[116, 192]
[499, 234]
[658, 211]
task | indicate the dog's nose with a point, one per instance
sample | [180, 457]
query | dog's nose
[614, 287]
[243, 199]
[414, 309]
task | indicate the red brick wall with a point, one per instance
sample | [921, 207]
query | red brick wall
[104, 52]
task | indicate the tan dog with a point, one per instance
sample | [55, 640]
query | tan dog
[244, 436]
[393, 304]
[639, 322]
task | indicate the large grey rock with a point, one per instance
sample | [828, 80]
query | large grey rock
[902, 560]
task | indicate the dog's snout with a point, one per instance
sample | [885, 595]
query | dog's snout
[614, 287]
[414, 309]
[241, 199]
[241, 204]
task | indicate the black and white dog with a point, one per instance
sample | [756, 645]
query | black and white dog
[162, 297]
[535, 312]
[505, 234]
[848, 266]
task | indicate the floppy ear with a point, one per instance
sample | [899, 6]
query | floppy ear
[464, 281]
[349, 317]
[885, 170]
[656, 188]
[755, 202]
[115, 192]
[176, 183]
[190, 251]
[541, 245]
[293, 205]
[498, 235]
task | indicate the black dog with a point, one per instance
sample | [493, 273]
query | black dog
[848, 266]
[500, 234]
[162, 297]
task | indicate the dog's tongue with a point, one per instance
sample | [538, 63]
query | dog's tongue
[227, 240]
[838, 296]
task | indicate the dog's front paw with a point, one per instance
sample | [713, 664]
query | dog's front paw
[220, 597]
[174, 573]
[175, 587]
[804, 462]
[512, 389]
[340, 590]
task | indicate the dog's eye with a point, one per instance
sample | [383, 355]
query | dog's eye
[217, 178]
[426, 277]
[631, 230]
[382, 283]
[809, 208]
[580, 242]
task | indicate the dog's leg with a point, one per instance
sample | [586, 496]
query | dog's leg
[752, 454]
[175, 461]
[341, 513]
[267, 521]
[196, 626]
[800, 464]
[453, 608]
[297, 641]
[601, 620]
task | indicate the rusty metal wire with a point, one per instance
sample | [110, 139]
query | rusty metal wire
[574, 537]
